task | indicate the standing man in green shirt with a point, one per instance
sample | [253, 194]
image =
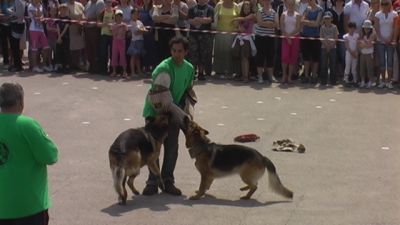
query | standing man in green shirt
[171, 90]
[25, 152]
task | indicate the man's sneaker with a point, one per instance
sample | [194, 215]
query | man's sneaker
[150, 189]
[260, 79]
[304, 79]
[37, 70]
[272, 79]
[389, 85]
[171, 189]
[362, 84]
[370, 84]
[346, 79]
[382, 85]
[48, 68]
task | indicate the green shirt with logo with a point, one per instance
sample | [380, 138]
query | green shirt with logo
[25, 152]
[181, 80]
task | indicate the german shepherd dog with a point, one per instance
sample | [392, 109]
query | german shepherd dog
[135, 148]
[216, 160]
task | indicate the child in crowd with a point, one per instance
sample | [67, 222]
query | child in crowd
[62, 47]
[38, 40]
[118, 57]
[366, 46]
[351, 39]
[243, 45]
[136, 49]
[52, 33]
[328, 49]
[290, 27]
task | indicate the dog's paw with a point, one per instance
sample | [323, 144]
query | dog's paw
[136, 192]
[245, 197]
[245, 188]
[122, 203]
[194, 197]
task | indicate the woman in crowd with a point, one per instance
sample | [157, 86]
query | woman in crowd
[182, 11]
[338, 20]
[384, 27]
[224, 13]
[267, 22]
[311, 48]
[290, 27]
[77, 45]
[373, 9]
[148, 59]
[17, 34]
[164, 16]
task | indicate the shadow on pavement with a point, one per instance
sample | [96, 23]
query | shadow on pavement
[161, 202]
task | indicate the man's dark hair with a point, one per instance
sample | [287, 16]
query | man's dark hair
[179, 40]
[10, 95]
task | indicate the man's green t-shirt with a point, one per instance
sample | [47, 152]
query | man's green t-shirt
[181, 79]
[25, 150]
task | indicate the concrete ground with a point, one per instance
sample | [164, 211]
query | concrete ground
[349, 174]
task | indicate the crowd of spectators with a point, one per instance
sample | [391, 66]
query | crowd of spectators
[314, 41]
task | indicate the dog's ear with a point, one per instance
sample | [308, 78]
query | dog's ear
[205, 131]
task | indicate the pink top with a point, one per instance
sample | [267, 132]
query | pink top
[119, 30]
[248, 26]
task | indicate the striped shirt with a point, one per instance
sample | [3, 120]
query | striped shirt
[270, 16]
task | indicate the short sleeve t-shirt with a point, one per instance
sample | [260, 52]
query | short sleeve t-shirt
[181, 79]
[107, 18]
[330, 32]
[202, 11]
[25, 150]
[32, 12]
[312, 15]
[357, 13]
[352, 40]
[135, 26]
[385, 24]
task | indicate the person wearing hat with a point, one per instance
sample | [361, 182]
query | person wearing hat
[328, 49]
[366, 46]
[118, 55]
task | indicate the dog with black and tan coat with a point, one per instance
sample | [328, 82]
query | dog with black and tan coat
[217, 160]
[135, 148]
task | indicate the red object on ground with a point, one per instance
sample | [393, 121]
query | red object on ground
[246, 138]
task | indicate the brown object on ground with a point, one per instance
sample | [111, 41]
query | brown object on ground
[287, 145]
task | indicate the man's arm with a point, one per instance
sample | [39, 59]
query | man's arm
[43, 148]
[161, 98]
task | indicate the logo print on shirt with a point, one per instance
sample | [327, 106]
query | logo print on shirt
[4, 153]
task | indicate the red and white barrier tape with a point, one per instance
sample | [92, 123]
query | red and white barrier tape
[83, 22]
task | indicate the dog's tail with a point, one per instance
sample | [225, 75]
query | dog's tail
[274, 181]
[118, 174]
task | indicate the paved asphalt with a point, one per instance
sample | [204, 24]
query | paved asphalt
[349, 174]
